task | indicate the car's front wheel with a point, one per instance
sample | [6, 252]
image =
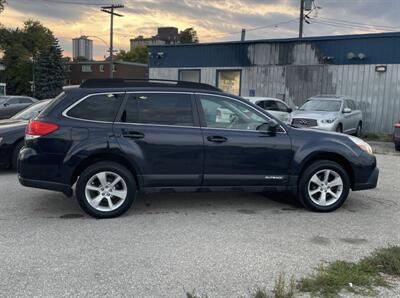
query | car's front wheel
[106, 190]
[324, 186]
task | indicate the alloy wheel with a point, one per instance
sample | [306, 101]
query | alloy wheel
[106, 191]
[325, 187]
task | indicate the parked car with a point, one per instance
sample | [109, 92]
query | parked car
[276, 107]
[396, 135]
[10, 105]
[12, 133]
[115, 138]
[330, 112]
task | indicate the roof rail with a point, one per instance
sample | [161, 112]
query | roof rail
[121, 83]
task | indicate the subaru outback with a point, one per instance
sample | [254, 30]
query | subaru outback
[111, 139]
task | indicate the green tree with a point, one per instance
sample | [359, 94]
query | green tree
[189, 35]
[2, 2]
[20, 48]
[49, 72]
[138, 54]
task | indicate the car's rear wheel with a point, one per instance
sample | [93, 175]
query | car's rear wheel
[106, 190]
[324, 186]
[15, 154]
[339, 128]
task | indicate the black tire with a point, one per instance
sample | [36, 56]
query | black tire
[306, 176]
[14, 158]
[397, 146]
[339, 128]
[106, 166]
[358, 130]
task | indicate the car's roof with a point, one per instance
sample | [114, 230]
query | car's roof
[257, 99]
[328, 97]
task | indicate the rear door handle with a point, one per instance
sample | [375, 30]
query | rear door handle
[132, 134]
[217, 139]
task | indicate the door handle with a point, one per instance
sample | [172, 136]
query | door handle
[132, 134]
[217, 139]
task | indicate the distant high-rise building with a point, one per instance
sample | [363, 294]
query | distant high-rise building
[82, 47]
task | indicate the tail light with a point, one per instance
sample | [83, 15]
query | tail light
[397, 125]
[38, 128]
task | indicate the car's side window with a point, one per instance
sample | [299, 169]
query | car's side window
[25, 100]
[159, 108]
[222, 112]
[13, 101]
[100, 107]
[281, 107]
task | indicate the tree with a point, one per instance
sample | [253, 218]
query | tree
[49, 72]
[2, 2]
[20, 48]
[188, 35]
[138, 54]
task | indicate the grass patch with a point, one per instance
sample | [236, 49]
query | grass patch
[282, 289]
[192, 294]
[385, 260]
[331, 279]
[360, 277]
[382, 137]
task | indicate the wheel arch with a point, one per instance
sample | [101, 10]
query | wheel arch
[103, 156]
[334, 157]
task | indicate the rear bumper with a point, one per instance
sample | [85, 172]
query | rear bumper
[64, 188]
[370, 183]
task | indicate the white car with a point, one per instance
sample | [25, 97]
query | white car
[276, 107]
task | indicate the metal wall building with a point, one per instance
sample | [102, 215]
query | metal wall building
[364, 67]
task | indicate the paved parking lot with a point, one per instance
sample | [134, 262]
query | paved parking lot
[222, 244]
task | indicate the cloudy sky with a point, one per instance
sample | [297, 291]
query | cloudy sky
[214, 20]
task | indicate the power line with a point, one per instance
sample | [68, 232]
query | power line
[357, 23]
[348, 26]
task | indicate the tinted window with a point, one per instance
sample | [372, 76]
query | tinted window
[13, 101]
[32, 111]
[102, 107]
[158, 108]
[25, 100]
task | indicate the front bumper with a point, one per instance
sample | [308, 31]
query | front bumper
[370, 183]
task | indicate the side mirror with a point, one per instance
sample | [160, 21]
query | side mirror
[289, 110]
[346, 110]
[270, 127]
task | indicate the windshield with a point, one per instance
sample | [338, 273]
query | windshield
[322, 105]
[32, 111]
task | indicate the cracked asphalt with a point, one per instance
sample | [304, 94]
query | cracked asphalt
[219, 244]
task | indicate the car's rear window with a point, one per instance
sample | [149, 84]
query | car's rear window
[159, 108]
[99, 107]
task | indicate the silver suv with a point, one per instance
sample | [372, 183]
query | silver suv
[329, 112]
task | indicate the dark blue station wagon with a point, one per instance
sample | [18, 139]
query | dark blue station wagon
[115, 138]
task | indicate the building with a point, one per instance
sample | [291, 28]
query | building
[78, 72]
[165, 35]
[149, 41]
[365, 67]
[82, 47]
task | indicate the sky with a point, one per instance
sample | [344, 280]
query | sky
[214, 20]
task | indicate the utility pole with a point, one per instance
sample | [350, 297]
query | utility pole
[243, 36]
[110, 10]
[301, 18]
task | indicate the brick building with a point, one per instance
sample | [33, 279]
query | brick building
[78, 72]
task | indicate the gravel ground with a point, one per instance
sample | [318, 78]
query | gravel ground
[222, 244]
